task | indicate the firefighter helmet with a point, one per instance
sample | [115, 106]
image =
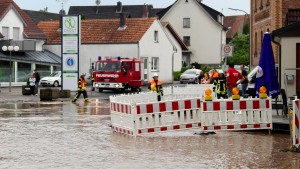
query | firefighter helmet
[155, 75]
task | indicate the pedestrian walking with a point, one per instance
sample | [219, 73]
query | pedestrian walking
[200, 77]
[156, 85]
[37, 79]
[32, 84]
[81, 89]
[232, 77]
[244, 83]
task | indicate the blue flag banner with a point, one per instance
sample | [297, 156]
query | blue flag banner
[266, 74]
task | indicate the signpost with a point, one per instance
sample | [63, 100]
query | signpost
[70, 52]
[227, 50]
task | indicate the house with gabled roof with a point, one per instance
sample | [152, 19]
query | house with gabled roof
[143, 38]
[200, 27]
[113, 11]
[17, 29]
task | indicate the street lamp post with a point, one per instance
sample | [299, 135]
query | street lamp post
[10, 48]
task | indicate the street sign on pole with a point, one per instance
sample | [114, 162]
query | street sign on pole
[227, 50]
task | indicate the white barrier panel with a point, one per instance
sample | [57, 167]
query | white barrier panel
[237, 114]
[121, 118]
[134, 98]
[189, 91]
[167, 116]
[296, 123]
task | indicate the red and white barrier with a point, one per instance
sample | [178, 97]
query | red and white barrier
[141, 114]
[121, 118]
[167, 116]
[237, 114]
[296, 123]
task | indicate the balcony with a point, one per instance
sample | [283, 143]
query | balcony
[24, 45]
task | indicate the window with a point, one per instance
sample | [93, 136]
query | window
[154, 64]
[187, 40]
[5, 31]
[156, 36]
[255, 46]
[16, 33]
[186, 22]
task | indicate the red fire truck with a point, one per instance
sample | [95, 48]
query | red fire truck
[118, 74]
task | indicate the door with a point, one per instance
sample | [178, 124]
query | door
[298, 66]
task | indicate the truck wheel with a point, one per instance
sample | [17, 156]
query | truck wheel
[100, 90]
[133, 89]
[139, 89]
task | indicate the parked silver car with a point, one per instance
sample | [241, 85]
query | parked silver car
[190, 76]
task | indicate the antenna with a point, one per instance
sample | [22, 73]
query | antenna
[62, 3]
[98, 2]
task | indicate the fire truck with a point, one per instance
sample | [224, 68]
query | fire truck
[118, 74]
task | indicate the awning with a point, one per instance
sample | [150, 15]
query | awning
[38, 57]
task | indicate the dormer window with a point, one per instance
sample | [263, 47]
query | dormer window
[220, 19]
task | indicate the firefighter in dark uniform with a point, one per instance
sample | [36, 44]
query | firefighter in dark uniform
[92, 77]
[156, 85]
[81, 89]
[220, 83]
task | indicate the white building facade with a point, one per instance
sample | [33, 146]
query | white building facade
[156, 47]
[201, 29]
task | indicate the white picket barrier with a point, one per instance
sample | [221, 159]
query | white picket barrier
[135, 98]
[188, 91]
[139, 114]
[244, 114]
[167, 116]
[296, 123]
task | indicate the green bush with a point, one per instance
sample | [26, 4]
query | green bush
[176, 75]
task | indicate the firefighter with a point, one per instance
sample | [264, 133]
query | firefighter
[92, 77]
[81, 89]
[220, 83]
[155, 85]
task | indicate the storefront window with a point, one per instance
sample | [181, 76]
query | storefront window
[44, 70]
[4, 71]
[24, 72]
[56, 68]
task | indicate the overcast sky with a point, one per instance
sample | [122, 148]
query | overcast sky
[54, 5]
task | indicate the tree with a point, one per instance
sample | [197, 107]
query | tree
[241, 49]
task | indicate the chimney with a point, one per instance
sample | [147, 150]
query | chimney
[145, 11]
[119, 7]
[123, 17]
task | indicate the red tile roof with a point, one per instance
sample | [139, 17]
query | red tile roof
[31, 31]
[102, 30]
[236, 23]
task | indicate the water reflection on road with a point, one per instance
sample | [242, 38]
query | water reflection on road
[66, 135]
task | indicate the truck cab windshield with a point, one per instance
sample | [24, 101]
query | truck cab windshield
[108, 66]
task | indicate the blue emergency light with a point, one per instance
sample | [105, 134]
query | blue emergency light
[99, 57]
[119, 57]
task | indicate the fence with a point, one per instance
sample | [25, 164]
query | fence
[139, 114]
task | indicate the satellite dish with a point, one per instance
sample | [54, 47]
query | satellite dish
[98, 2]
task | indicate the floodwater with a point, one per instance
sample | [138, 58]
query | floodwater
[65, 135]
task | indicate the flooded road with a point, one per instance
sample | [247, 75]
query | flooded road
[66, 135]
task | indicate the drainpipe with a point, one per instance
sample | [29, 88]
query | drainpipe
[279, 58]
